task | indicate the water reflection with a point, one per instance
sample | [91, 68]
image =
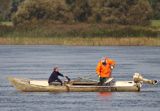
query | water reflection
[105, 94]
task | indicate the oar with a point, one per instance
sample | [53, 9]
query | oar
[68, 79]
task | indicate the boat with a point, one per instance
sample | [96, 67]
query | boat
[28, 85]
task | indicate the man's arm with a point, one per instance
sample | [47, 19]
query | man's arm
[112, 63]
[98, 69]
[60, 74]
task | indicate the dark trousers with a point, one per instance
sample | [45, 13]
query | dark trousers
[57, 80]
[102, 80]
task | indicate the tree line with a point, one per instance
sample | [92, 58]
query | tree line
[125, 12]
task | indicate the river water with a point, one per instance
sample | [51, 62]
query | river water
[36, 62]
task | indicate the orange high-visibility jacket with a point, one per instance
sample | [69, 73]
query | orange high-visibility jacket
[105, 70]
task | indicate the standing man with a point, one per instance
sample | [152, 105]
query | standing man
[104, 69]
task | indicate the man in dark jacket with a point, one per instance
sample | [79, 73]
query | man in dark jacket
[54, 76]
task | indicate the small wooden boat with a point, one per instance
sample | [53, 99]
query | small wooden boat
[27, 85]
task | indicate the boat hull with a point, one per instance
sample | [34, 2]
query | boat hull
[25, 86]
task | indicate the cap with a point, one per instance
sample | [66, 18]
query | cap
[103, 59]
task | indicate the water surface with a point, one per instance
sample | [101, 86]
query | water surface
[36, 62]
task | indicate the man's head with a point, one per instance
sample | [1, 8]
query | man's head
[104, 60]
[55, 69]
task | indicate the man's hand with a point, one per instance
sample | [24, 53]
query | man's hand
[99, 75]
[112, 67]
[67, 78]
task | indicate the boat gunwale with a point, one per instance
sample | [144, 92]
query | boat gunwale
[27, 87]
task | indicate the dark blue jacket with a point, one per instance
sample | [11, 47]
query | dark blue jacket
[54, 76]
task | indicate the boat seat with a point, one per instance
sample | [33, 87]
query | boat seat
[84, 83]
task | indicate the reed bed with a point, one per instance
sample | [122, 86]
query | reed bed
[82, 41]
[49, 33]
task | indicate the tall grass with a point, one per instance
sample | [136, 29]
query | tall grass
[82, 41]
[77, 30]
[155, 23]
[7, 23]
[79, 34]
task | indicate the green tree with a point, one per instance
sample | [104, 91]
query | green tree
[15, 4]
[155, 4]
[132, 12]
[29, 10]
[80, 9]
[157, 10]
[140, 13]
[5, 6]
[121, 11]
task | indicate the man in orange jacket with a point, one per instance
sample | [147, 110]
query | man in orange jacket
[104, 69]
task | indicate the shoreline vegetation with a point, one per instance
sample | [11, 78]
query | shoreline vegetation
[80, 22]
[82, 41]
[81, 34]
